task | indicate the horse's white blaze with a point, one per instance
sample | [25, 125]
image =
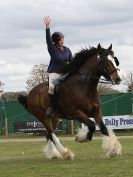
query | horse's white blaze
[51, 151]
[81, 135]
[111, 145]
[65, 152]
[113, 61]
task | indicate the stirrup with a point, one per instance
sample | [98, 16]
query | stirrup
[49, 111]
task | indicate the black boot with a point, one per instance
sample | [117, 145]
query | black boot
[50, 109]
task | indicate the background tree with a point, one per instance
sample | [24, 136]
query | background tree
[128, 81]
[104, 88]
[11, 96]
[37, 75]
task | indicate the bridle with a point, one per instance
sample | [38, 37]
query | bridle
[102, 60]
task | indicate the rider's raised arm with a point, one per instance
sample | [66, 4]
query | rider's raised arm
[47, 22]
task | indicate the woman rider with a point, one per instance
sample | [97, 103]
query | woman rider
[60, 55]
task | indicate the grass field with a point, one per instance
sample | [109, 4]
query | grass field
[26, 159]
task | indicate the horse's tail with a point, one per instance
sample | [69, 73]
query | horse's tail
[23, 100]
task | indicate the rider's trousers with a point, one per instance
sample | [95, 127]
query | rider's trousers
[52, 78]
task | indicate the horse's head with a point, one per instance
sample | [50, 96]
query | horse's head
[109, 64]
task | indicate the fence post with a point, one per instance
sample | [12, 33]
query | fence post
[5, 123]
[132, 100]
[6, 128]
[72, 127]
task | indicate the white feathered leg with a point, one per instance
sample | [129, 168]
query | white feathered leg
[111, 145]
[65, 152]
[81, 135]
[51, 151]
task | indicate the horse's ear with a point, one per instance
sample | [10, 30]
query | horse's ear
[110, 47]
[99, 46]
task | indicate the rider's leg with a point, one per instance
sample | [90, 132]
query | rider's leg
[50, 109]
[52, 78]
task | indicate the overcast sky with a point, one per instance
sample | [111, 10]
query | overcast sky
[83, 22]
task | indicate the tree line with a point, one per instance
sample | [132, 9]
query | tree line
[39, 74]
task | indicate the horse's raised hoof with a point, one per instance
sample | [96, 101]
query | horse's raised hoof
[81, 135]
[80, 140]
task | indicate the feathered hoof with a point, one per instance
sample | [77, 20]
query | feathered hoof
[80, 139]
[55, 157]
[115, 153]
[51, 152]
[111, 145]
[68, 155]
[81, 136]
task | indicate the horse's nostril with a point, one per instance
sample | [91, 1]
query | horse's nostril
[118, 80]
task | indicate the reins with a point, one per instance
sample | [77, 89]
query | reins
[104, 81]
[92, 76]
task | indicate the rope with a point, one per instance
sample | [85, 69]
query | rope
[17, 115]
[115, 98]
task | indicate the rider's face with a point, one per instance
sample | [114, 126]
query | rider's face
[61, 42]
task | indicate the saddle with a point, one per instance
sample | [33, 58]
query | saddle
[60, 80]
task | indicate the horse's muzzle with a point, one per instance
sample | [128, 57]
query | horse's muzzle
[118, 80]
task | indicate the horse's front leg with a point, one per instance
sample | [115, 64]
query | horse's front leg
[110, 145]
[84, 135]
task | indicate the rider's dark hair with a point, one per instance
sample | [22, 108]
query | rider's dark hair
[56, 36]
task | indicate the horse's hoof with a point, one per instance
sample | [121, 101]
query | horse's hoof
[68, 155]
[80, 140]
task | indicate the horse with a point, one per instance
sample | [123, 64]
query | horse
[77, 98]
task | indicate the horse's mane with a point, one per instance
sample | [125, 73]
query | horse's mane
[79, 59]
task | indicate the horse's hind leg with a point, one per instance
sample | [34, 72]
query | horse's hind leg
[50, 150]
[65, 152]
[55, 122]
[53, 149]
[61, 151]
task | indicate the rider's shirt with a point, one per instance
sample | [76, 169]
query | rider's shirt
[58, 58]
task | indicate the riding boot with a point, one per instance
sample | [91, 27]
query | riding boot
[50, 109]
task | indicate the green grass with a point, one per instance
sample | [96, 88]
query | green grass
[89, 161]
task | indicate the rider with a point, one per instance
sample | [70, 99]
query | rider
[60, 55]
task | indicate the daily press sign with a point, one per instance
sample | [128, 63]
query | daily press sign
[117, 122]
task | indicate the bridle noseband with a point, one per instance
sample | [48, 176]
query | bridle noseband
[104, 60]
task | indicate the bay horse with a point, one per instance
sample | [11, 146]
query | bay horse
[77, 99]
